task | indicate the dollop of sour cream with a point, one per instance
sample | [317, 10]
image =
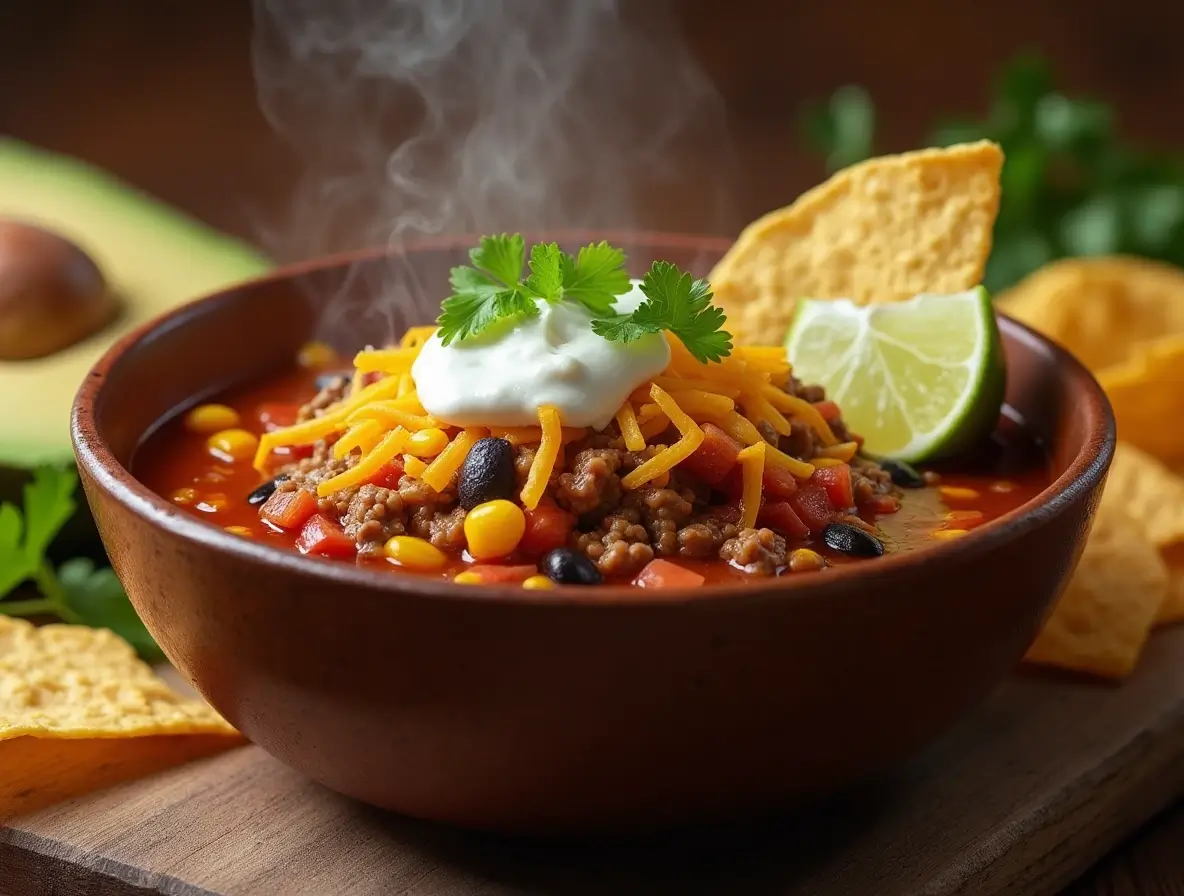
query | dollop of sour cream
[503, 376]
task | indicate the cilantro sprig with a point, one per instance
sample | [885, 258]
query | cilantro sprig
[75, 592]
[493, 289]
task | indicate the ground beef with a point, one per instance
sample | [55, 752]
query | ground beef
[443, 528]
[768, 433]
[703, 537]
[416, 493]
[662, 511]
[374, 514]
[868, 479]
[331, 394]
[523, 459]
[619, 546]
[310, 472]
[756, 551]
[592, 488]
[800, 441]
[810, 393]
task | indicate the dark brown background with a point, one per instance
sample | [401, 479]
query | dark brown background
[161, 93]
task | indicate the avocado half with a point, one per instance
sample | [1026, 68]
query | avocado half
[154, 257]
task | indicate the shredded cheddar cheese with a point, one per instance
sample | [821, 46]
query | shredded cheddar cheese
[413, 466]
[752, 474]
[385, 360]
[630, 431]
[391, 413]
[415, 337]
[364, 470]
[843, 451]
[357, 383]
[668, 458]
[544, 458]
[440, 471]
[362, 436]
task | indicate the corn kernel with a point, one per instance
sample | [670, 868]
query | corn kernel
[240, 530]
[426, 442]
[414, 553]
[958, 493]
[948, 534]
[493, 529]
[233, 445]
[413, 466]
[315, 355]
[208, 418]
[184, 496]
[805, 560]
[467, 578]
[214, 503]
[538, 583]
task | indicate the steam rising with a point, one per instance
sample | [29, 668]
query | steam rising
[421, 117]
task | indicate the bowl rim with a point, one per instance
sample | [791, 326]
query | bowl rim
[1087, 469]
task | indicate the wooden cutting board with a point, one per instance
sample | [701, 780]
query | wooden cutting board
[1021, 797]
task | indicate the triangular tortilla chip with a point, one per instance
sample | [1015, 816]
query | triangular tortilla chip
[880, 231]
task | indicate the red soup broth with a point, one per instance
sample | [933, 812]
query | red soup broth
[176, 463]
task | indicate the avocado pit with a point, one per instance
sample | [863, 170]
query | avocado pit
[52, 294]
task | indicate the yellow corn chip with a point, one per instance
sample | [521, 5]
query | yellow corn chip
[1100, 309]
[1147, 394]
[1102, 620]
[880, 231]
[70, 681]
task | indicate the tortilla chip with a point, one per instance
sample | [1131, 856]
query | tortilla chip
[880, 231]
[1103, 618]
[1100, 309]
[41, 771]
[1147, 394]
[70, 681]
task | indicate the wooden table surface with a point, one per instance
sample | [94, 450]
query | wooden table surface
[163, 95]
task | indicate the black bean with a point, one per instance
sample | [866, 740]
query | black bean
[848, 539]
[902, 474]
[487, 473]
[565, 567]
[263, 492]
[332, 380]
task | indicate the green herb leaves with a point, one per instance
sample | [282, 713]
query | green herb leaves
[676, 303]
[493, 289]
[76, 592]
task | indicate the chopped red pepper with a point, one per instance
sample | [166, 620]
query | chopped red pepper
[836, 481]
[288, 509]
[325, 538]
[492, 574]
[664, 574]
[547, 528]
[778, 482]
[714, 458]
[829, 410]
[812, 506]
[780, 517]
[389, 474]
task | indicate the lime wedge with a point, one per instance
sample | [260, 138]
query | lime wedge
[919, 380]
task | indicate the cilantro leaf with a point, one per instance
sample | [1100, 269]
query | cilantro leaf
[478, 302]
[596, 277]
[678, 303]
[501, 257]
[546, 272]
[14, 562]
[98, 599]
[49, 503]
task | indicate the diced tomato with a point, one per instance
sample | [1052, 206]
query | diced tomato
[289, 510]
[715, 458]
[882, 504]
[664, 574]
[368, 379]
[829, 410]
[732, 486]
[780, 517]
[836, 481]
[325, 538]
[389, 474]
[276, 415]
[728, 513]
[547, 528]
[812, 506]
[778, 482]
[492, 574]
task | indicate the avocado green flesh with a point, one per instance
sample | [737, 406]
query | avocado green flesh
[153, 257]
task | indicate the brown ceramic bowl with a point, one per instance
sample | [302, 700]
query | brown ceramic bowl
[602, 710]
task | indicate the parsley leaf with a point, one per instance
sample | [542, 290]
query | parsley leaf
[596, 277]
[484, 294]
[674, 302]
[501, 257]
[546, 272]
[77, 592]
